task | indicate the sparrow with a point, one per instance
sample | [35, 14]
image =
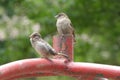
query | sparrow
[64, 25]
[42, 47]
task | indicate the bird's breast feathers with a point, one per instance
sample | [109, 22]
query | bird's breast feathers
[63, 21]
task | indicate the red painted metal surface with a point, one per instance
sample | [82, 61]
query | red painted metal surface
[31, 75]
[43, 67]
[55, 67]
[64, 45]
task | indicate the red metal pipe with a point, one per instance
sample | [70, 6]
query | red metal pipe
[31, 75]
[64, 44]
[79, 70]
[58, 67]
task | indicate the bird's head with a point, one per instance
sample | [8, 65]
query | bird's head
[61, 15]
[35, 36]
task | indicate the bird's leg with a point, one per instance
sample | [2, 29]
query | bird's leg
[63, 37]
[62, 42]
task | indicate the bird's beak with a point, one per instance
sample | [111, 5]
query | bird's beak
[30, 36]
[56, 16]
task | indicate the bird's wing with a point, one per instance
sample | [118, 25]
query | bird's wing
[49, 48]
[73, 31]
[71, 26]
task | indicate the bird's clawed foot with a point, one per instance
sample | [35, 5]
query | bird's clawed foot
[62, 37]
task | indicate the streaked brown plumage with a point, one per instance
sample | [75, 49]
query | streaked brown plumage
[42, 47]
[64, 25]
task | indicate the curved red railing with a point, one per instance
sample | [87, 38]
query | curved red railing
[58, 66]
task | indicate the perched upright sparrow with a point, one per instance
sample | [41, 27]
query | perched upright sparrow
[64, 25]
[41, 46]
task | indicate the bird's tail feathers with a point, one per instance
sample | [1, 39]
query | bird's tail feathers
[64, 55]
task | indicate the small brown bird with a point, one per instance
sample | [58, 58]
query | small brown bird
[64, 25]
[42, 47]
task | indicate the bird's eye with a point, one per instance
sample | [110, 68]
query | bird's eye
[60, 15]
[36, 36]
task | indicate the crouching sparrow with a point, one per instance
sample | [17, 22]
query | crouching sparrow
[64, 25]
[42, 47]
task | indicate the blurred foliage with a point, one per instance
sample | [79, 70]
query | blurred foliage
[96, 23]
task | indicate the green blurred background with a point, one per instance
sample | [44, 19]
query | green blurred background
[96, 23]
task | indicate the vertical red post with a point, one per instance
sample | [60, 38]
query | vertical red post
[64, 44]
